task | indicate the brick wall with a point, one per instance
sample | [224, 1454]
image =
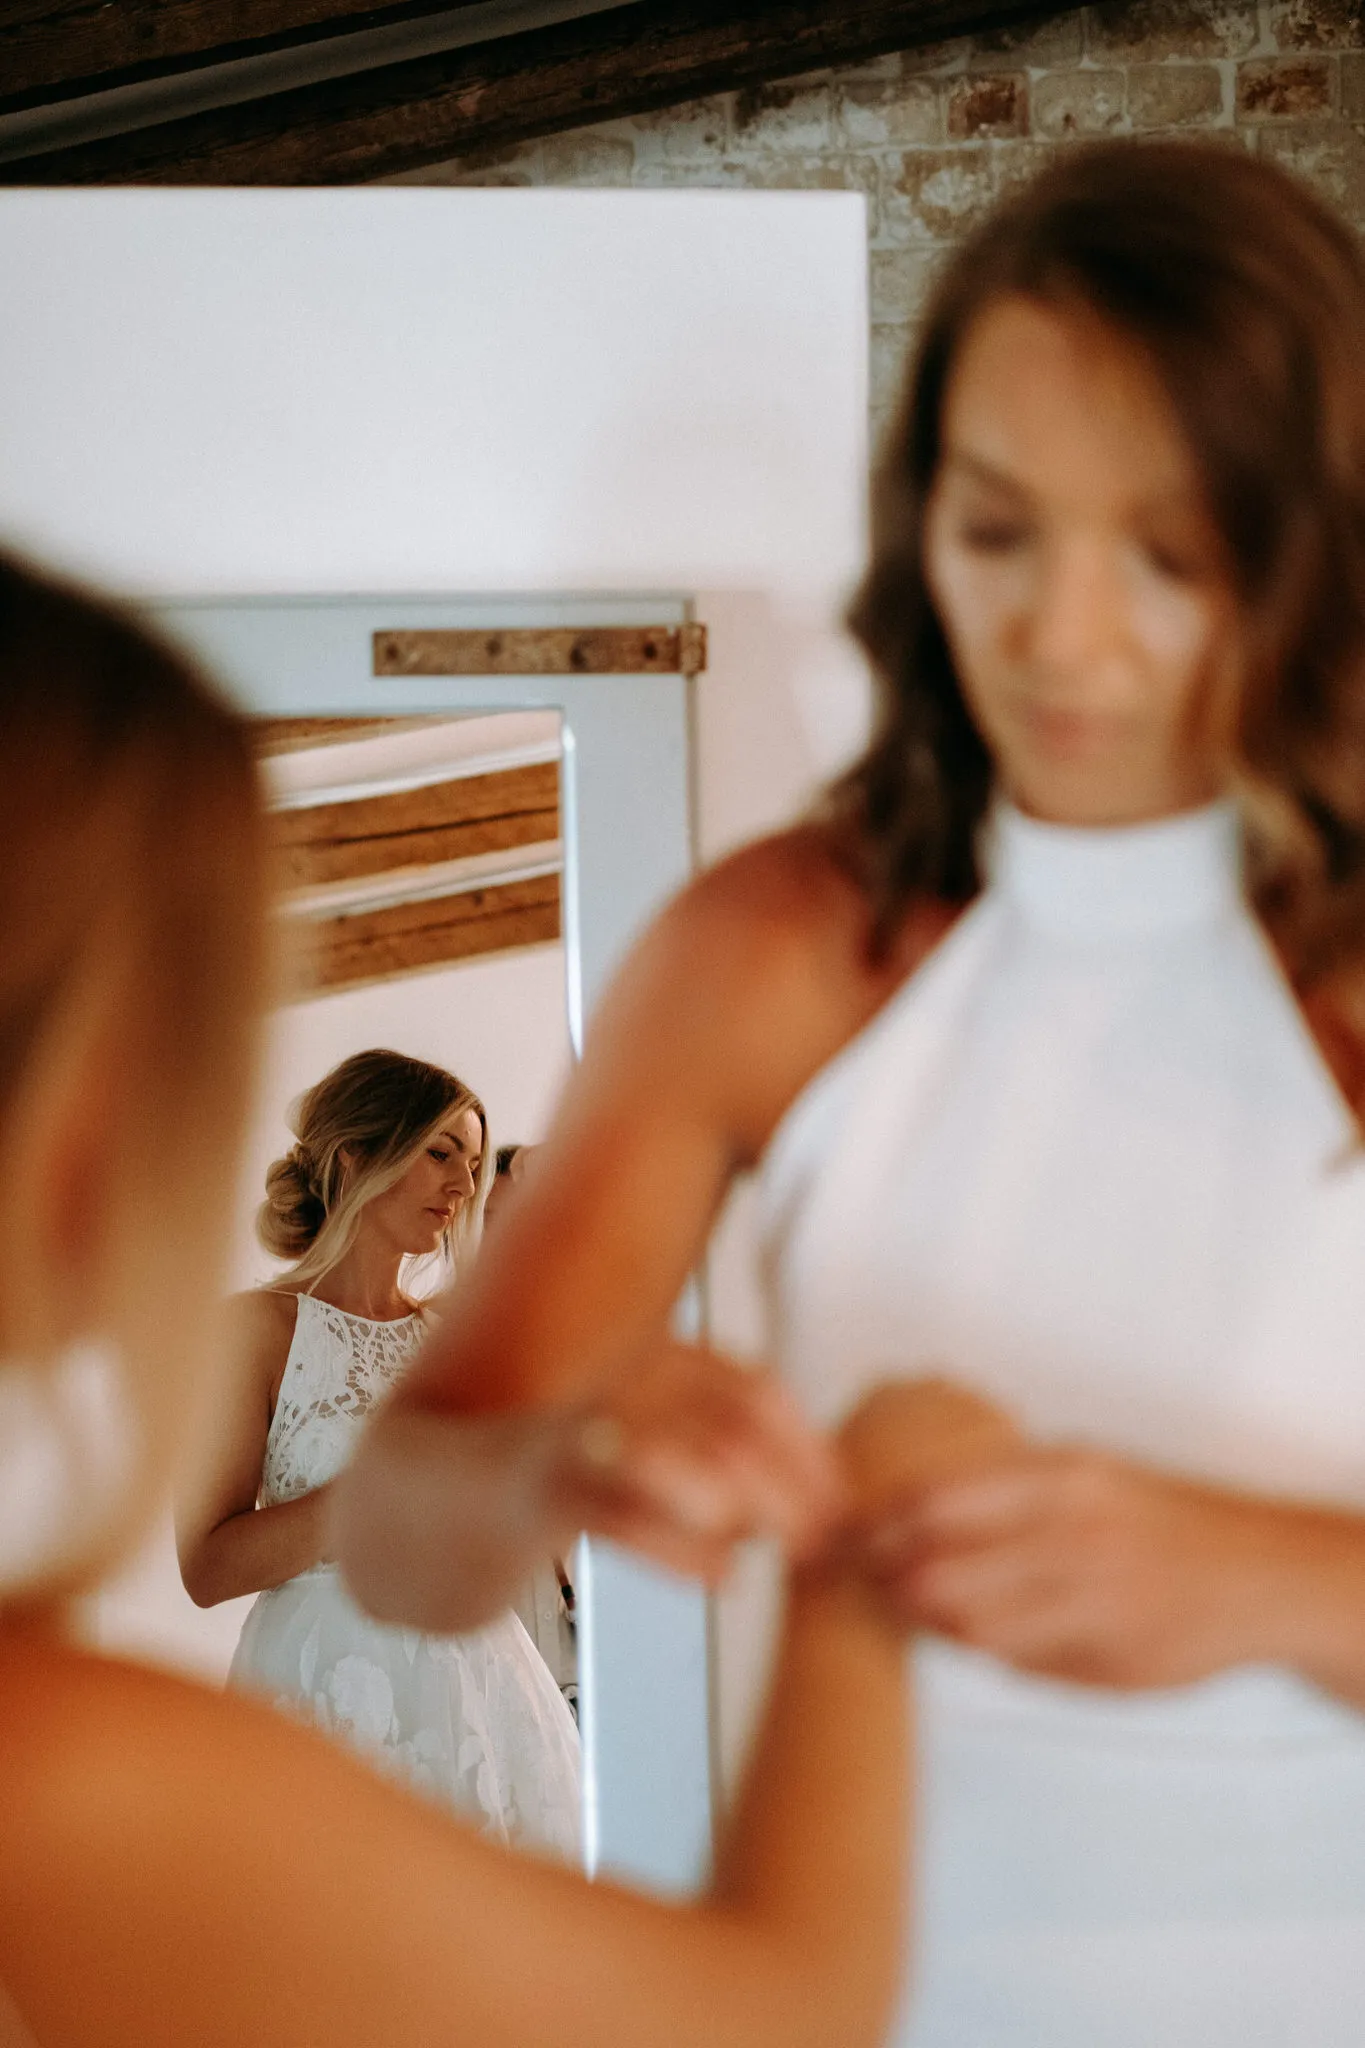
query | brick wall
[934, 135]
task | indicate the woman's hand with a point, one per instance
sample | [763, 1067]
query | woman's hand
[1079, 1565]
[694, 1456]
[441, 1514]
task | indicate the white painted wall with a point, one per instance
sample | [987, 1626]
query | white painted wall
[222, 392]
[401, 390]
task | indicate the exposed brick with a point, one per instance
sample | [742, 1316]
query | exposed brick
[699, 129]
[1019, 163]
[585, 158]
[992, 103]
[1174, 95]
[783, 117]
[1145, 31]
[1277, 89]
[888, 353]
[516, 166]
[1037, 47]
[655, 173]
[1316, 24]
[887, 70]
[880, 419]
[505, 180]
[939, 194]
[900, 281]
[941, 58]
[808, 172]
[1353, 88]
[1078, 103]
[1329, 154]
[902, 114]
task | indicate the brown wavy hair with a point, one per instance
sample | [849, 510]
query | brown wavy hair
[1247, 297]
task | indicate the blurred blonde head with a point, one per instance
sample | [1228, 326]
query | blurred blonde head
[358, 1130]
[131, 985]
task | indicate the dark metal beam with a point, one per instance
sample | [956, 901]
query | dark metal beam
[493, 95]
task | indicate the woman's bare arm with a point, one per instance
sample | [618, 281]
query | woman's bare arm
[743, 988]
[238, 1879]
[226, 1544]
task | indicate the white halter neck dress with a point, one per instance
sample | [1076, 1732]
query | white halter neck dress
[476, 1720]
[1089, 1161]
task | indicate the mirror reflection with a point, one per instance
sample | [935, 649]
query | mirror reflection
[425, 1035]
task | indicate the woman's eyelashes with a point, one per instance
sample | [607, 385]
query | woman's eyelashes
[1176, 561]
[994, 536]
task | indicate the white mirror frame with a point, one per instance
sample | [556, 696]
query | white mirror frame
[627, 827]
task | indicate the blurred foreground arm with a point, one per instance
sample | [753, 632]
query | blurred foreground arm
[197, 1869]
[491, 1453]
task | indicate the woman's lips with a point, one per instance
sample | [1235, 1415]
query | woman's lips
[1066, 732]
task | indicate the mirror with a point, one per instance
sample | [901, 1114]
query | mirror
[446, 908]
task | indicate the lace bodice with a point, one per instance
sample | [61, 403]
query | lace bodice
[339, 1368]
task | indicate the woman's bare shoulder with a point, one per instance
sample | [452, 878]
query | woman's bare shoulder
[260, 1323]
[760, 971]
[264, 1308]
[779, 907]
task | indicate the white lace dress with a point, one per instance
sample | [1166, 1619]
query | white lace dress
[476, 1720]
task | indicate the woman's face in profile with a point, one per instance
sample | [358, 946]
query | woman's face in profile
[417, 1209]
[1077, 572]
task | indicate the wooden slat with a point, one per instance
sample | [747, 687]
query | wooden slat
[341, 952]
[343, 842]
[297, 735]
[51, 47]
[543, 651]
[629, 60]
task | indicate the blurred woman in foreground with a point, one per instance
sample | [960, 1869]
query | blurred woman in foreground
[180, 1865]
[1047, 1041]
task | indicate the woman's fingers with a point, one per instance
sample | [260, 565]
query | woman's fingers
[699, 1455]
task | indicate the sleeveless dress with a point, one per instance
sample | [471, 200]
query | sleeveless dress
[475, 1720]
[1089, 1161]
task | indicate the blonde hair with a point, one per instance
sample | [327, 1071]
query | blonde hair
[132, 870]
[358, 1130]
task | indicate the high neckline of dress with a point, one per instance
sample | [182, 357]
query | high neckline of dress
[1168, 875]
[375, 1322]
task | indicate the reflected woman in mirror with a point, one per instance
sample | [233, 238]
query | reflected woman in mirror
[390, 1166]
[1046, 1039]
[184, 1865]
[511, 1164]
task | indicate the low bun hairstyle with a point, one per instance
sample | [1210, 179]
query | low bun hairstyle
[357, 1131]
[293, 1212]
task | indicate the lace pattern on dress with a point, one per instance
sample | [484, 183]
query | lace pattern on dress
[475, 1720]
[340, 1367]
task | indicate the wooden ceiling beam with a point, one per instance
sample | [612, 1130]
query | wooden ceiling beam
[301, 735]
[329, 954]
[488, 96]
[316, 844]
[58, 49]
